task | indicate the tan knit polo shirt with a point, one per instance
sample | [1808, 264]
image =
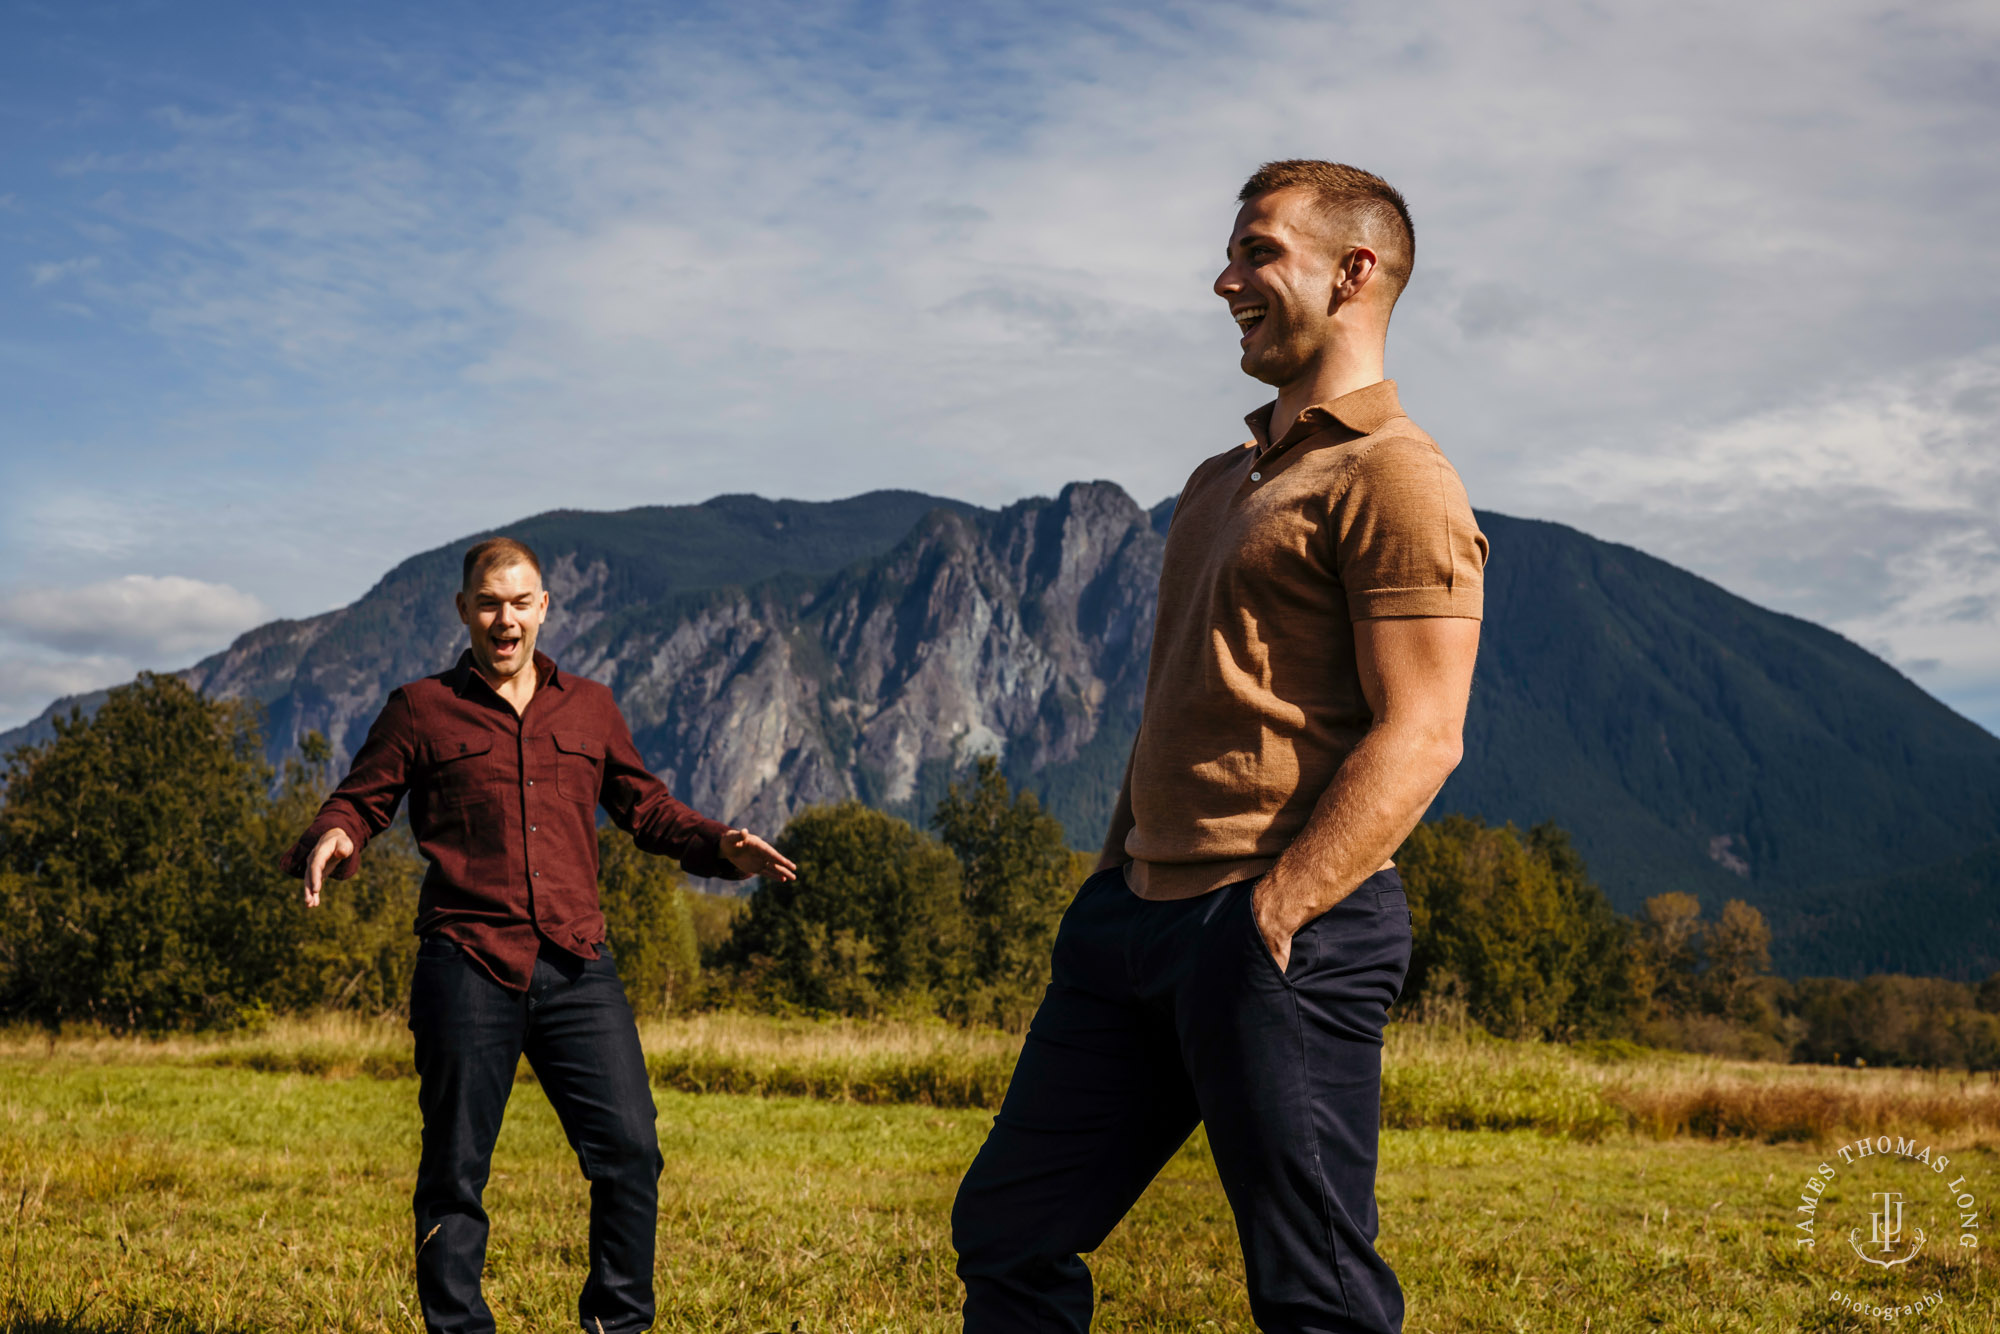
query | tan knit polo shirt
[1253, 697]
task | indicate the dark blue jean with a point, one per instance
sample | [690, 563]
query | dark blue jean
[1163, 1015]
[577, 1032]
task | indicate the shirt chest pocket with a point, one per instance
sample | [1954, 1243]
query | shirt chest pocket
[579, 766]
[460, 772]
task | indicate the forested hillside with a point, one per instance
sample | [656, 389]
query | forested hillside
[1694, 741]
[774, 655]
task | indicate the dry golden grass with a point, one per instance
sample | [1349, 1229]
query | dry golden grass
[1439, 1077]
[1453, 1077]
[930, 1063]
[1738, 1099]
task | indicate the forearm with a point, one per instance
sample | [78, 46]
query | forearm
[665, 827]
[1373, 803]
[659, 823]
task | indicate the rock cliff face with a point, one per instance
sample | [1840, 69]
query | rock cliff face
[1021, 633]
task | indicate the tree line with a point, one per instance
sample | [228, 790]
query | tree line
[139, 892]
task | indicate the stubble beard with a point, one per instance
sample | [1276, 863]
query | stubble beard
[1276, 364]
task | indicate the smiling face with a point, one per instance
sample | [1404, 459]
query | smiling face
[1282, 284]
[504, 612]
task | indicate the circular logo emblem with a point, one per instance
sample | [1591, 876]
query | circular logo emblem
[1888, 1218]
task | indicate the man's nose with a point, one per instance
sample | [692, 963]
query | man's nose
[1227, 284]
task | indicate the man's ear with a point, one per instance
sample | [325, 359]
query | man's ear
[1357, 269]
[458, 601]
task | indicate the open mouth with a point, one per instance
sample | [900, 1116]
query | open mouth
[505, 648]
[1248, 318]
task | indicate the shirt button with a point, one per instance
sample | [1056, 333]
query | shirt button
[538, 875]
[533, 827]
[1256, 476]
[531, 782]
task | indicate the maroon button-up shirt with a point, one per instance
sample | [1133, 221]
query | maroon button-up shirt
[504, 808]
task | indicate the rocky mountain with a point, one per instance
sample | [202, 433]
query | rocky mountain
[774, 654]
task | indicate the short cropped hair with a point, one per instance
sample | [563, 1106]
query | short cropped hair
[1352, 195]
[495, 553]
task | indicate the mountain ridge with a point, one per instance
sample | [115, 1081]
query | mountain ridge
[773, 654]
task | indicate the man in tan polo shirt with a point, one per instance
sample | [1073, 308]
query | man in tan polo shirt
[1233, 960]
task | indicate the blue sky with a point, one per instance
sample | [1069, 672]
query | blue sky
[296, 291]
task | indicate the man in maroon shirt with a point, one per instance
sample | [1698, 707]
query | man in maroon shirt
[505, 760]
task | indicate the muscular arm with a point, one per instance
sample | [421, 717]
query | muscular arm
[1416, 673]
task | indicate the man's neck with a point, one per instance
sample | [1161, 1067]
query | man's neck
[517, 689]
[1342, 369]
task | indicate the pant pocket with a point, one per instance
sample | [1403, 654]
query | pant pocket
[1254, 938]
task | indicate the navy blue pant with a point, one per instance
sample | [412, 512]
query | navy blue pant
[1160, 1016]
[577, 1032]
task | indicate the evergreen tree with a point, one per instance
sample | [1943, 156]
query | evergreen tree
[138, 853]
[1611, 985]
[650, 923]
[873, 924]
[1514, 927]
[1014, 865]
[144, 886]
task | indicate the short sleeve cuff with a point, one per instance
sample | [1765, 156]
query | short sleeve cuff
[1466, 601]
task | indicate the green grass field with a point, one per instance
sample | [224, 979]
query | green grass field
[215, 1186]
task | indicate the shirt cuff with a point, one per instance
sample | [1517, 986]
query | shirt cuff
[704, 857]
[1466, 601]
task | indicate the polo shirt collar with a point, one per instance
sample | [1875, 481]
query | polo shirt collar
[1364, 411]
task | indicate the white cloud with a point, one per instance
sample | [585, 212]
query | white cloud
[150, 618]
[29, 681]
[1876, 511]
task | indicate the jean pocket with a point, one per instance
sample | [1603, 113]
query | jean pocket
[438, 947]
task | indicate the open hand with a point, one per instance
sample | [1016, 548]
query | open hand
[753, 856]
[333, 846]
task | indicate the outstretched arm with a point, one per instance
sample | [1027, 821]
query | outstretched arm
[361, 807]
[639, 803]
[1416, 673]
